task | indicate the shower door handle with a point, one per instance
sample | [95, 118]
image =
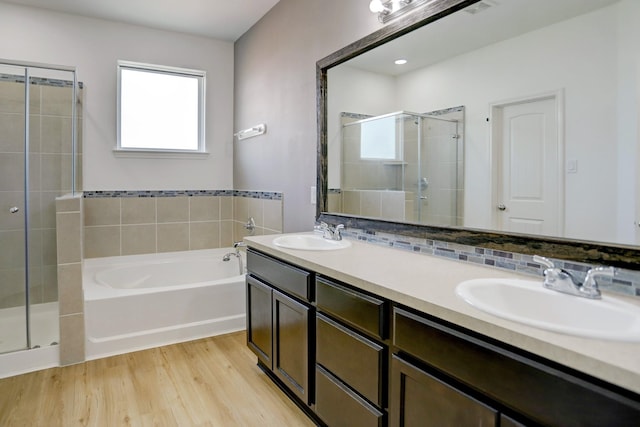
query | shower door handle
[14, 209]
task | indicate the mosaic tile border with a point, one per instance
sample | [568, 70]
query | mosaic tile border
[41, 81]
[356, 116]
[266, 195]
[445, 111]
[626, 282]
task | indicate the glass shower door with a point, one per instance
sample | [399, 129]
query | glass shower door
[37, 164]
[13, 232]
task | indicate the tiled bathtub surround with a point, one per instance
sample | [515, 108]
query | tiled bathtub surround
[625, 282]
[137, 222]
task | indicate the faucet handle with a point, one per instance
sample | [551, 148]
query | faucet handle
[590, 287]
[544, 261]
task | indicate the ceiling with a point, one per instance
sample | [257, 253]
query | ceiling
[218, 19]
[440, 40]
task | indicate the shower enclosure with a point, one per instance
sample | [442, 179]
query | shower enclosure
[38, 162]
[404, 166]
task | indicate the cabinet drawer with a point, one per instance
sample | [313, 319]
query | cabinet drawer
[283, 276]
[362, 311]
[545, 393]
[338, 406]
[351, 357]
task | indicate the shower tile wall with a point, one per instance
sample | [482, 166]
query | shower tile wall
[444, 166]
[374, 203]
[137, 225]
[50, 176]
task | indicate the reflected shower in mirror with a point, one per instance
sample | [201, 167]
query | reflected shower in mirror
[401, 166]
[551, 117]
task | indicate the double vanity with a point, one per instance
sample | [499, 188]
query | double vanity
[360, 334]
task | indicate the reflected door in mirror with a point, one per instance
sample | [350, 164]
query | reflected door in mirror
[526, 138]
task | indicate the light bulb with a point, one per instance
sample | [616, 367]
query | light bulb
[376, 6]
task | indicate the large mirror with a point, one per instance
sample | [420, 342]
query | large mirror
[515, 116]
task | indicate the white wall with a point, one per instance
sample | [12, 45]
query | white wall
[353, 91]
[628, 113]
[94, 46]
[275, 66]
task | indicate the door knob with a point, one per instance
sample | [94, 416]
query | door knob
[14, 209]
[502, 207]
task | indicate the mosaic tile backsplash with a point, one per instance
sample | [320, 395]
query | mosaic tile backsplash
[266, 195]
[625, 281]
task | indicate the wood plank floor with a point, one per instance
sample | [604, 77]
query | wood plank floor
[208, 382]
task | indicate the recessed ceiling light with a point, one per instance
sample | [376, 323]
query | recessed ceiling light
[400, 61]
[480, 6]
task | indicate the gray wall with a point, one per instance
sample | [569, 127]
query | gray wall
[275, 83]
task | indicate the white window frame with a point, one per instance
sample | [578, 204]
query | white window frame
[162, 69]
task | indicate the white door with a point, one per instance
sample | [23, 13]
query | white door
[528, 167]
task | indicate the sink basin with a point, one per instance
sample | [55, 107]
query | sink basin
[526, 301]
[310, 242]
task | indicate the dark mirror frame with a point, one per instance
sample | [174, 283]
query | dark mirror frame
[571, 250]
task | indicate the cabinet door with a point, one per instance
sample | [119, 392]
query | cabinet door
[290, 344]
[419, 399]
[259, 320]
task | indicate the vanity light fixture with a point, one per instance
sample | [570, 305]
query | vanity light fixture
[251, 132]
[391, 9]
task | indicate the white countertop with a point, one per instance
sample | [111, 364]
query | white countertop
[426, 283]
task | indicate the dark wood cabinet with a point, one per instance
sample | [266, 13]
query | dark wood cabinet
[421, 400]
[279, 323]
[291, 344]
[351, 355]
[351, 358]
[519, 385]
[260, 320]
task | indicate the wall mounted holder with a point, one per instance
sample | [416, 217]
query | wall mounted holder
[251, 132]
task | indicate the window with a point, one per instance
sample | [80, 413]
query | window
[378, 139]
[160, 108]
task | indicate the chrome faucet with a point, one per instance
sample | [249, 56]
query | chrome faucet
[589, 287]
[561, 280]
[227, 256]
[329, 231]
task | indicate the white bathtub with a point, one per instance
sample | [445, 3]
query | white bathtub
[143, 301]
